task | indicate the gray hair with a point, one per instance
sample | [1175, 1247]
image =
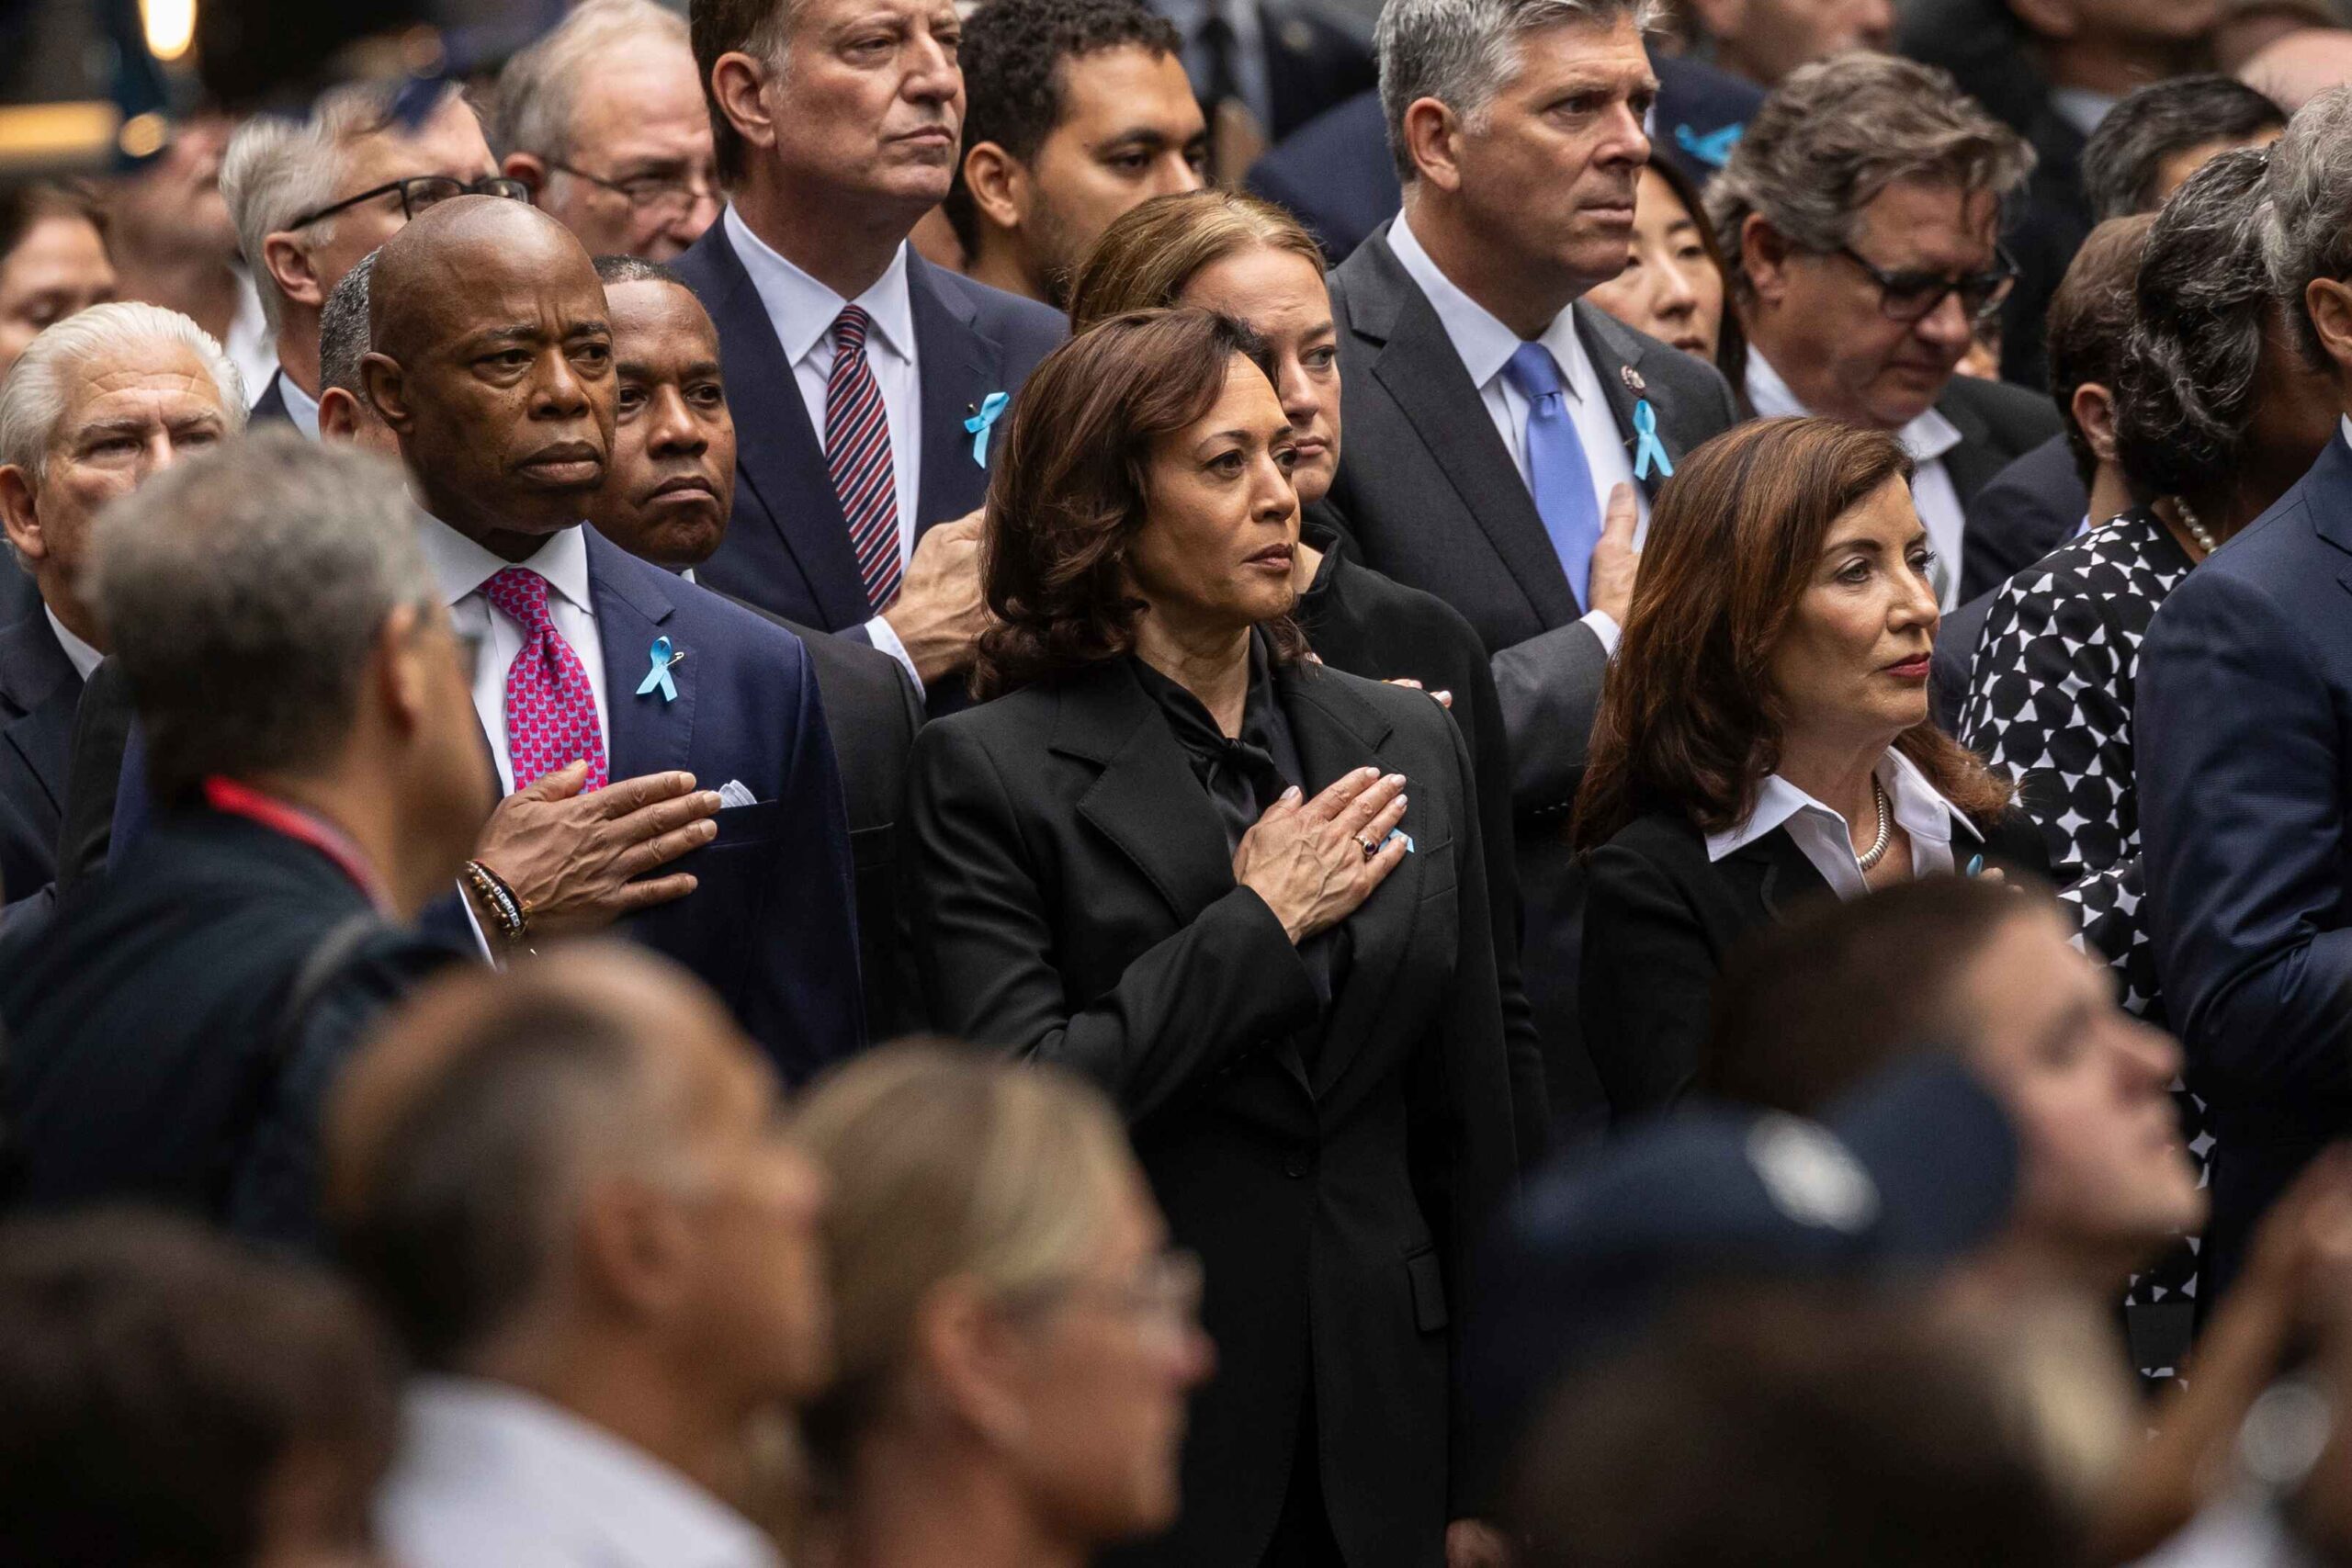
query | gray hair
[2186, 384]
[538, 90]
[342, 331]
[41, 387]
[277, 169]
[2307, 208]
[243, 591]
[1838, 132]
[1462, 53]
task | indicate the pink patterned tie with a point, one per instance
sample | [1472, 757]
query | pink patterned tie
[550, 709]
[857, 453]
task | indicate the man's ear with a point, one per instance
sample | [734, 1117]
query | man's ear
[1432, 136]
[2047, 18]
[999, 185]
[21, 515]
[634, 1248]
[386, 383]
[403, 679]
[2329, 302]
[338, 414]
[966, 1359]
[526, 168]
[738, 85]
[1764, 257]
[2093, 407]
[288, 261]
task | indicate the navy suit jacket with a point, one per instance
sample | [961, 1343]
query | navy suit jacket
[770, 926]
[787, 548]
[271, 404]
[2245, 760]
[39, 693]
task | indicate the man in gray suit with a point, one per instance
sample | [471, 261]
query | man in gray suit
[1503, 438]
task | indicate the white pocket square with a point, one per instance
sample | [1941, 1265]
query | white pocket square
[732, 793]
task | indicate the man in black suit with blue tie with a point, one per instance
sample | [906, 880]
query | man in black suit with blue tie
[1492, 419]
[864, 381]
[2246, 814]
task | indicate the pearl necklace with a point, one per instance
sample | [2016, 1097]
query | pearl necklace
[2196, 529]
[1868, 859]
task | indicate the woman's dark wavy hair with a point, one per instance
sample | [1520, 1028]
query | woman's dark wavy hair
[1072, 489]
[1689, 720]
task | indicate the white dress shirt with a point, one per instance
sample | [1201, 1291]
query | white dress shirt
[1484, 346]
[1826, 839]
[488, 1473]
[461, 567]
[250, 347]
[1926, 438]
[301, 407]
[80, 654]
[2081, 108]
[802, 310]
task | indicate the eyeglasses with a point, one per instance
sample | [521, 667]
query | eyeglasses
[420, 191]
[668, 195]
[1914, 295]
[1165, 1293]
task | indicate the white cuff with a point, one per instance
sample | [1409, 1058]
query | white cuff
[1604, 626]
[879, 633]
[473, 923]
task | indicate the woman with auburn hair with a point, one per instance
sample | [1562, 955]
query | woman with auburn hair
[1012, 1338]
[1245, 894]
[1225, 250]
[1764, 733]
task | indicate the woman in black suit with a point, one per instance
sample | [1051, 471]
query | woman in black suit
[1764, 734]
[1229, 252]
[1245, 894]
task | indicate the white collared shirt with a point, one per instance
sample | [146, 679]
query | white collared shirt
[461, 567]
[79, 654]
[249, 344]
[2081, 108]
[301, 407]
[1826, 837]
[1484, 346]
[1926, 438]
[489, 1474]
[802, 311]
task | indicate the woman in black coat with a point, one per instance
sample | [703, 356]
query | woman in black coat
[1246, 895]
[1764, 734]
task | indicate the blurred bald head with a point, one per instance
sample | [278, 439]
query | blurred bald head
[491, 363]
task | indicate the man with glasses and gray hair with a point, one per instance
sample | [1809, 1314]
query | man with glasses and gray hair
[310, 197]
[603, 119]
[1858, 216]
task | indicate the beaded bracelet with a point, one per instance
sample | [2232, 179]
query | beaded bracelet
[513, 915]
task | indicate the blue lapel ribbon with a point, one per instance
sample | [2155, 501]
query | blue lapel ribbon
[1651, 452]
[991, 407]
[659, 676]
[1713, 149]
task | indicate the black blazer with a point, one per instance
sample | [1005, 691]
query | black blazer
[1661, 919]
[2050, 225]
[1313, 62]
[39, 693]
[2022, 514]
[788, 547]
[1073, 898]
[1998, 424]
[271, 404]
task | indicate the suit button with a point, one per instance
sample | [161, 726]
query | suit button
[1299, 1162]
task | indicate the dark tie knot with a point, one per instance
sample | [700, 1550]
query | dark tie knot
[849, 330]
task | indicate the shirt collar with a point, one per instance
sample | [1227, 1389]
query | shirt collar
[547, 1457]
[1926, 438]
[804, 309]
[461, 566]
[1918, 806]
[80, 654]
[1479, 337]
[2080, 107]
[301, 407]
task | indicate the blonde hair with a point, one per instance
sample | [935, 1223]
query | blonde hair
[1144, 260]
[947, 1162]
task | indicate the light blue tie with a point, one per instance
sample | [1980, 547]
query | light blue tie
[1557, 469]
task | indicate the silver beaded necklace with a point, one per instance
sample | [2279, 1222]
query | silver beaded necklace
[2196, 530]
[1870, 858]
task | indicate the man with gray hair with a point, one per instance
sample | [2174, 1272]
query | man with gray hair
[603, 119]
[311, 745]
[1858, 216]
[310, 197]
[2244, 679]
[1503, 435]
[98, 404]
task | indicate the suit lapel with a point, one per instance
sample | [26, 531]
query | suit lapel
[777, 457]
[649, 733]
[33, 666]
[1774, 873]
[1420, 370]
[1975, 461]
[956, 367]
[1614, 350]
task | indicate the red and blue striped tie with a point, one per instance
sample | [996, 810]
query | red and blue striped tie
[857, 455]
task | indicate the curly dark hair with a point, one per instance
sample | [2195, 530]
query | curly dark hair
[1071, 490]
[1012, 55]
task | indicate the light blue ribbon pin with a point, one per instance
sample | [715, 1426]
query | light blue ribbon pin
[979, 424]
[659, 675]
[1651, 452]
[1713, 149]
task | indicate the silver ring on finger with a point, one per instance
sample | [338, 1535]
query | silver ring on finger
[1369, 848]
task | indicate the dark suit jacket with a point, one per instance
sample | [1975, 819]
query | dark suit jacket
[19, 594]
[788, 544]
[2050, 225]
[2022, 514]
[38, 692]
[1662, 918]
[1431, 496]
[1074, 900]
[2243, 738]
[143, 1023]
[1313, 64]
[1956, 641]
[1998, 424]
[271, 404]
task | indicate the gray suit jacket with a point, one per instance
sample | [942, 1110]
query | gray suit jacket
[1433, 498]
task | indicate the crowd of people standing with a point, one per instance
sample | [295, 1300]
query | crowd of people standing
[877, 782]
